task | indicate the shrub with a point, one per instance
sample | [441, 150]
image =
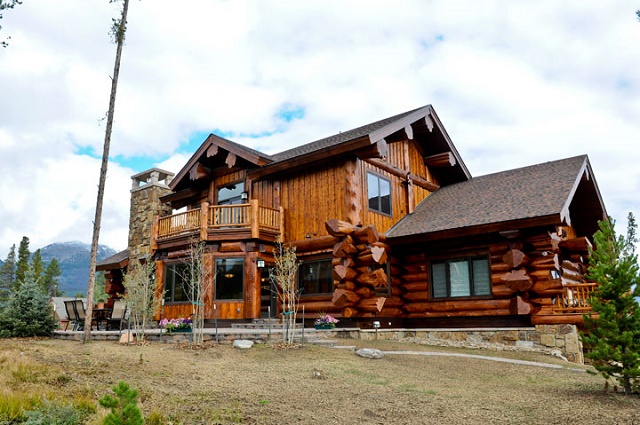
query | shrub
[124, 407]
[50, 413]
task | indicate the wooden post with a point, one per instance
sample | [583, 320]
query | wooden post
[282, 222]
[253, 220]
[204, 220]
[252, 287]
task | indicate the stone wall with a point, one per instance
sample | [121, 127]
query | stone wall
[146, 191]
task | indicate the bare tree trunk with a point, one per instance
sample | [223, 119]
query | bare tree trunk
[119, 33]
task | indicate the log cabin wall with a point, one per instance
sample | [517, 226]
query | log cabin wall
[528, 275]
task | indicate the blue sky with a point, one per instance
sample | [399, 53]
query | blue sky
[515, 83]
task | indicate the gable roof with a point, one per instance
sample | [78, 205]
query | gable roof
[116, 261]
[550, 193]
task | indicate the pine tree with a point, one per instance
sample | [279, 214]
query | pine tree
[28, 311]
[38, 265]
[49, 282]
[613, 338]
[23, 262]
[7, 275]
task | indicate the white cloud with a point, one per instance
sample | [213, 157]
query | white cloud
[515, 83]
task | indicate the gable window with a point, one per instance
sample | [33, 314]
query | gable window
[175, 284]
[379, 193]
[229, 279]
[460, 277]
[314, 277]
[231, 194]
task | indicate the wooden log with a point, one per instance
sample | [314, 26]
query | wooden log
[518, 280]
[415, 286]
[540, 286]
[390, 312]
[395, 270]
[415, 258]
[344, 248]
[376, 278]
[545, 261]
[515, 258]
[569, 276]
[344, 273]
[575, 267]
[315, 244]
[499, 248]
[458, 306]
[582, 244]
[416, 296]
[371, 305]
[558, 319]
[413, 268]
[540, 301]
[416, 277]
[393, 302]
[502, 291]
[365, 292]
[470, 313]
[520, 306]
[350, 285]
[339, 228]
[366, 235]
[540, 274]
[349, 312]
[499, 267]
[374, 256]
[318, 306]
[343, 298]
[396, 291]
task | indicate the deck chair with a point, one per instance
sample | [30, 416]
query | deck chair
[81, 314]
[119, 315]
[71, 316]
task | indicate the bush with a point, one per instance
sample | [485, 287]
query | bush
[50, 413]
[124, 407]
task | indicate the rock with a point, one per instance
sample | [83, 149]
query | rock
[127, 338]
[317, 374]
[243, 344]
[370, 353]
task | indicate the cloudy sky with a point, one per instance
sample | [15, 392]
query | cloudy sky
[514, 82]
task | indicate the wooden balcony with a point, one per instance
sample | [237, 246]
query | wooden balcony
[219, 223]
[574, 299]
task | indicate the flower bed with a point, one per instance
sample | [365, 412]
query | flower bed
[176, 325]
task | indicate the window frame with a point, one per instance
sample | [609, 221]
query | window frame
[472, 287]
[172, 290]
[215, 278]
[379, 197]
[299, 277]
[235, 200]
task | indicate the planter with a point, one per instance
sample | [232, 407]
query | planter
[180, 330]
[324, 325]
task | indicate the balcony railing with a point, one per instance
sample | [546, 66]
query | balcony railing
[250, 216]
[574, 299]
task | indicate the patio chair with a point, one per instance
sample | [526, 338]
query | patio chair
[81, 314]
[71, 316]
[119, 315]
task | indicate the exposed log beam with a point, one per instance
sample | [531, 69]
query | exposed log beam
[444, 159]
[419, 181]
[380, 149]
[199, 171]
[231, 159]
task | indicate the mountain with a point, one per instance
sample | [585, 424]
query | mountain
[74, 263]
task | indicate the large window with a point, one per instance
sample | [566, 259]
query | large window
[229, 279]
[232, 194]
[175, 284]
[314, 277]
[379, 193]
[461, 277]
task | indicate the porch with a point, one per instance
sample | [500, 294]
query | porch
[220, 222]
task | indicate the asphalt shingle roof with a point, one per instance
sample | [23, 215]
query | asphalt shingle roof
[529, 192]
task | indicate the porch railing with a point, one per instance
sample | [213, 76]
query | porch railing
[250, 216]
[574, 298]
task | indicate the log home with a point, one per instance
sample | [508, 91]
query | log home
[387, 223]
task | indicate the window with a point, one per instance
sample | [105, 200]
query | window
[175, 284]
[231, 194]
[229, 279]
[314, 277]
[379, 192]
[462, 277]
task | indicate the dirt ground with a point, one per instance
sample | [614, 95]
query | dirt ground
[266, 385]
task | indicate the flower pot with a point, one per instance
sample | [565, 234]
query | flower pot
[181, 330]
[324, 325]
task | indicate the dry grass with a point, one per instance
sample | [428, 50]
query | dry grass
[269, 386]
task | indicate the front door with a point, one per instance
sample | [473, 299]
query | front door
[268, 294]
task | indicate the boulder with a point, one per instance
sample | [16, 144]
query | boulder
[370, 353]
[243, 344]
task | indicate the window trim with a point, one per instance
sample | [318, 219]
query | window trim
[379, 197]
[299, 277]
[235, 198]
[171, 301]
[470, 258]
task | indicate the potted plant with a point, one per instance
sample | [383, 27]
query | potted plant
[325, 321]
[100, 303]
[176, 325]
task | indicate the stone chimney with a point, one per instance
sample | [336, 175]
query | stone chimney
[147, 188]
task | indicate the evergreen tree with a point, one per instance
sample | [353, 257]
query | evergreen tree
[28, 311]
[38, 265]
[23, 262]
[49, 282]
[7, 275]
[613, 337]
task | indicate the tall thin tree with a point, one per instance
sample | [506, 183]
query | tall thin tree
[119, 28]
